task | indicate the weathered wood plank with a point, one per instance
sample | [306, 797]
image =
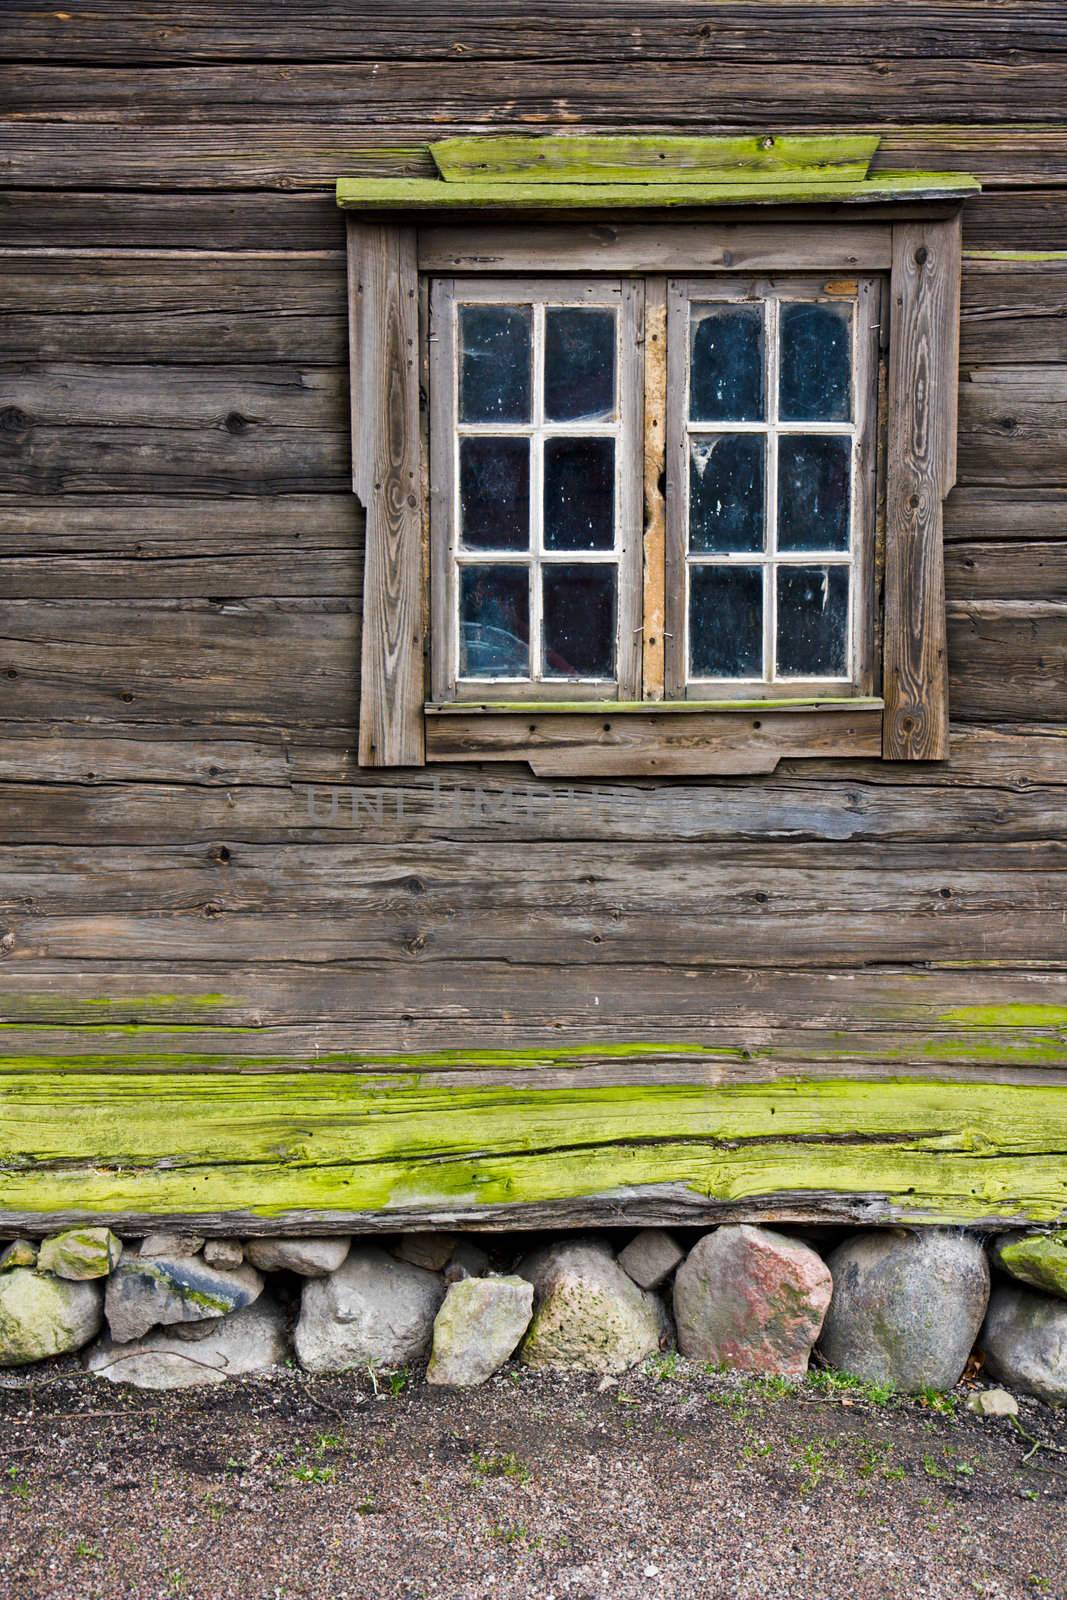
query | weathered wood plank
[1014, 312]
[920, 470]
[653, 158]
[386, 475]
[1013, 571]
[124, 1147]
[726, 96]
[173, 306]
[1022, 645]
[93, 427]
[1013, 426]
[330, 30]
[268, 661]
[580, 246]
[307, 155]
[493, 1005]
[694, 905]
[653, 745]
[998, 512]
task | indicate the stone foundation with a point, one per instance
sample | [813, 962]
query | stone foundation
[898, 1308]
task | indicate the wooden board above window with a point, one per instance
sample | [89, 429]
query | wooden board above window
[781, 398]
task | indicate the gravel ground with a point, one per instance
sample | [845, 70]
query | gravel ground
[672, 1483]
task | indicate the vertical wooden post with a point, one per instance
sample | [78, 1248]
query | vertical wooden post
[383, 330]
[655, 462]
[920, 469]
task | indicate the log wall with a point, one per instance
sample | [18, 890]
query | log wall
[239, 978]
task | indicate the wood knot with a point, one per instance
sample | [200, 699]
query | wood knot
[235, 423]
[921, 256]
[13, 421]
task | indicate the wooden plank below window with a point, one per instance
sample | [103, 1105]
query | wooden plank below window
[650, 744]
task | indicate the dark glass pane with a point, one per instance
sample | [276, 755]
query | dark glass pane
[725, 622]
[579, 494]
[579, 364]
[812, 622]
[579, 621]
[726, 492]
[494, 369]
[814, 475]
[494, 493]
[494, 622]
[726, 364]
[816, 371]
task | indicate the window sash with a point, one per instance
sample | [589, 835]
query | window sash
[626, 298]
[859, 557]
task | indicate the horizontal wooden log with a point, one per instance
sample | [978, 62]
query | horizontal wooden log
[176, 306]
[150, 547]
[1010, 760]
[1011, 570]
[694, 905]
[997, 512]
[341, 1151]
[1013, 219]
[1021, 646]
[1013, 426]
[748, 93]
[92, 427]
[781, 31]
[516, 806]
[1014, 312]
[272, 661]
[375, 1007]
[262, 149]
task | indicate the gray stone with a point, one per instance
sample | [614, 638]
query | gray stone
[41, 1316]
[468, 1260]
[1038, 1259]
[309, 1258]
[753, 1299]
[374, 1311]
[223, 1252]
[430, 1250]
[906, 1307]
[650, 1257]
[80, 1253]
[1025, 1342]
[252, 1340]
[588, 1314]
[477, 1329]
[144, 1292]
[171, 1244]
[993, 1403]
[19, 1253]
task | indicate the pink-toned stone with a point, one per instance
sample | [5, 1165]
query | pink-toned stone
[753, 1299]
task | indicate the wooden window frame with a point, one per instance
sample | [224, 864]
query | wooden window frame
[390, 263]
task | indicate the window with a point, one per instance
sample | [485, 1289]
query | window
[653, 497]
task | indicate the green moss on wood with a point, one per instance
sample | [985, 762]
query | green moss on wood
[1009, 1016]
[654, 158]
[420, 194]
[99, 1144]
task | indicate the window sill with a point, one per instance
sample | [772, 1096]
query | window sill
[667, 738]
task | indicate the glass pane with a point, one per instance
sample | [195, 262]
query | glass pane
[816, 368]
[726, 492]
[813, 622]
[579, 494]
[814, 475]
[726, 622]
[579, 364]
[579, 621]
[494, 370]
[494, 493]
[494, 622]
[726, 364]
